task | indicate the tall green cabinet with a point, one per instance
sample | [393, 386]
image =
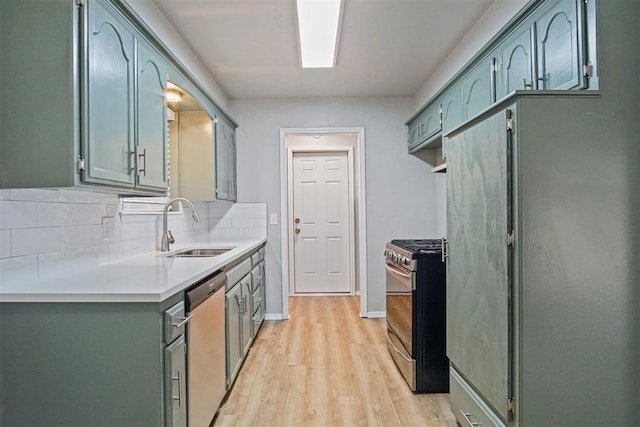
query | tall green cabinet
[542, 229]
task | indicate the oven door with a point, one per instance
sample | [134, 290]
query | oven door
[400, 287]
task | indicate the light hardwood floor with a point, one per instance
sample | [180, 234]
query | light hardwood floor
[326, 366]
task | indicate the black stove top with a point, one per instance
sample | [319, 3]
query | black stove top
[420, 246]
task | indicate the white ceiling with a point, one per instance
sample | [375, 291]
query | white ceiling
[387, 47]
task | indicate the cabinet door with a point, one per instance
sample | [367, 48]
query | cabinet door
[426, 125]
[412, 133]
[109, 100]
[175, 383]
[233, 165]
[151, 148]
[515, 71]
[478, 263]
[451, 114]
[225, 160]
[559, 46]
[477, 88]
[234, 307]
[247, 323]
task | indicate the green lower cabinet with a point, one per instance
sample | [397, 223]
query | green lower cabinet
[90, 364]
[175, 363]
[234, 306]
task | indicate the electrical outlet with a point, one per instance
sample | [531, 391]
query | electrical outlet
[108, 227]
[273, 219]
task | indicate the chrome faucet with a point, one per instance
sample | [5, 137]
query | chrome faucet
[167, 237]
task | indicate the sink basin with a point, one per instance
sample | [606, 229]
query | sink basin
[199, 252]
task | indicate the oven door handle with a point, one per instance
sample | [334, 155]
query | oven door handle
[390, 340]
[393, 270]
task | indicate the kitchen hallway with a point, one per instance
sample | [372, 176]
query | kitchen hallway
[326, 366]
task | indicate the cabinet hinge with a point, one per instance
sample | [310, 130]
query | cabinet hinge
[510, 124]
[80, 2]
[587, 70]
[80, 164]
[511, 405]
[511, 239]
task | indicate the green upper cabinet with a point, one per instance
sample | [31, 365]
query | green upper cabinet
[550, 45]
[101, 119]
[425, 126]
[559, 45]
[109, 98]
[515, 63]
[125, 136]
[151, 148]
[225, 135]
[478, 88]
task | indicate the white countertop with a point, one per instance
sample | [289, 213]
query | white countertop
[149, 277]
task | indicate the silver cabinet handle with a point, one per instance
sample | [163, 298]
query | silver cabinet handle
[240, 307]
[183, 321]
[179, 396]
[143, 170]
[467, 416]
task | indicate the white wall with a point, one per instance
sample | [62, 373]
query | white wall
[400, 188]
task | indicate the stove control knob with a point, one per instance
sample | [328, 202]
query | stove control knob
[405, 260]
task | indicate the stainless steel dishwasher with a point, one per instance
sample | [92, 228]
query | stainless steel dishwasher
[206, 356]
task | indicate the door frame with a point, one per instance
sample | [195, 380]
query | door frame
[360, 267]
[351, 195]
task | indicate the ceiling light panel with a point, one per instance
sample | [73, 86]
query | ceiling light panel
[318, 27]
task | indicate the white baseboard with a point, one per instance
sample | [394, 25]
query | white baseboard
[376, 314]
[274, 316]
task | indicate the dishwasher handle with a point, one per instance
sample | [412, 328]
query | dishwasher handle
[204, 290]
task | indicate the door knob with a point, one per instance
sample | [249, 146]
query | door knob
[297, 220]
[297, 231]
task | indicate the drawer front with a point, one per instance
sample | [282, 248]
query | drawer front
[256, 278]
[256, 300]
[235, 274]
[257, 256]
[174, 322]
[257, 306]
[469, 408]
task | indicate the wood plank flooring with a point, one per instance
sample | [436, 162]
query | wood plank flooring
[326, 366]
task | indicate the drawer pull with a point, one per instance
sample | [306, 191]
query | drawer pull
[179, 396]
[467, 416]
[183, 321]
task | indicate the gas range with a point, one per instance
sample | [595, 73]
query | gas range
[404, 252]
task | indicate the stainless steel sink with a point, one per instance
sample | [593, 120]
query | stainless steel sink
[199, 252]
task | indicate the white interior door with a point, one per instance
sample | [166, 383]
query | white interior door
[321, 223]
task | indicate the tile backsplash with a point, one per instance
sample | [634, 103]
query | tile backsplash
[43, 230]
